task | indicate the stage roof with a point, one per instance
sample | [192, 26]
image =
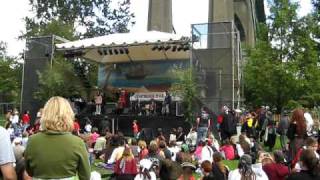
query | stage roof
[126, 47]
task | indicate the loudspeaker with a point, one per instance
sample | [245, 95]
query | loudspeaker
[37, 58]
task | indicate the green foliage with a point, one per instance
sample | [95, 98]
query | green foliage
[56, 27]
[60, 80]
[283, 69]
[186, 88]
[96, 17]
[10, 76]
[74, 19]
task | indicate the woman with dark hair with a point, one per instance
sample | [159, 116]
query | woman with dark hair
[297, 132]
[246, 172]
[310, 167]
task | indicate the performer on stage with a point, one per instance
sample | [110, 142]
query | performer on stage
[166, 104]
[98, 102]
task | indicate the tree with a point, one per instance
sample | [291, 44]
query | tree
[96, 17]
[10, 76]
[59, 80]
[186, 88]
[64, 18]
[283, 68]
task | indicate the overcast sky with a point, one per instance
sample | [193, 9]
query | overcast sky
[185, 13]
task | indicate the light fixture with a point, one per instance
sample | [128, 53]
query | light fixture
[160, 48]
[105, 52]
[186, 47]
[126, 50]
[100, 52]
[167, 47]
[110, 52]
[174, 48]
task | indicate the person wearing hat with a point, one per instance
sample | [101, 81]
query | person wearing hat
[188, 170]
[246, 171]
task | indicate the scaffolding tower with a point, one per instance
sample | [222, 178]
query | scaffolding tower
[217, 59]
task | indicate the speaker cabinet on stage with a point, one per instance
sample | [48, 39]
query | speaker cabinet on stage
[37, 58]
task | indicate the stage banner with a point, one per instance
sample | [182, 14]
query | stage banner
[147, 96]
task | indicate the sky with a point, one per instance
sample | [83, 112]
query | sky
[184, 12]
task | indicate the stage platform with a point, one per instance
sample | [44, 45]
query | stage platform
[123, 123]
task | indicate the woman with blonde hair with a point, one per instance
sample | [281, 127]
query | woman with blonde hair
[143, 149]
[54, 153]
[126, 167]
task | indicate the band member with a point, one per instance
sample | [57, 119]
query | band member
[166, 104]
[98, 102]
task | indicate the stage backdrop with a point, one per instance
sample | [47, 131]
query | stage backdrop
[145, 76]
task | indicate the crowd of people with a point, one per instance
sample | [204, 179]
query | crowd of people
[56, 147]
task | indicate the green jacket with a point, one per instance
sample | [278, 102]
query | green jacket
[52, 155]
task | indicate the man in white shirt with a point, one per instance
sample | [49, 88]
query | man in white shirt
[6, 156]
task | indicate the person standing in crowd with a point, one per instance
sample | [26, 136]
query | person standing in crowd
[98, 102]
[283, 128]
[260, 130]
[7, 158]
[297, 132]
[245, 170]
[228, 125]
[55, 153]
[310, 167]
[203, 123]
[248, 125]
[271, 133]
[26, 120]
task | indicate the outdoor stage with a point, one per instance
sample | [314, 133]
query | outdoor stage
[123, 123]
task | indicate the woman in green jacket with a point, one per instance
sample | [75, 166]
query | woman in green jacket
[54, 153]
